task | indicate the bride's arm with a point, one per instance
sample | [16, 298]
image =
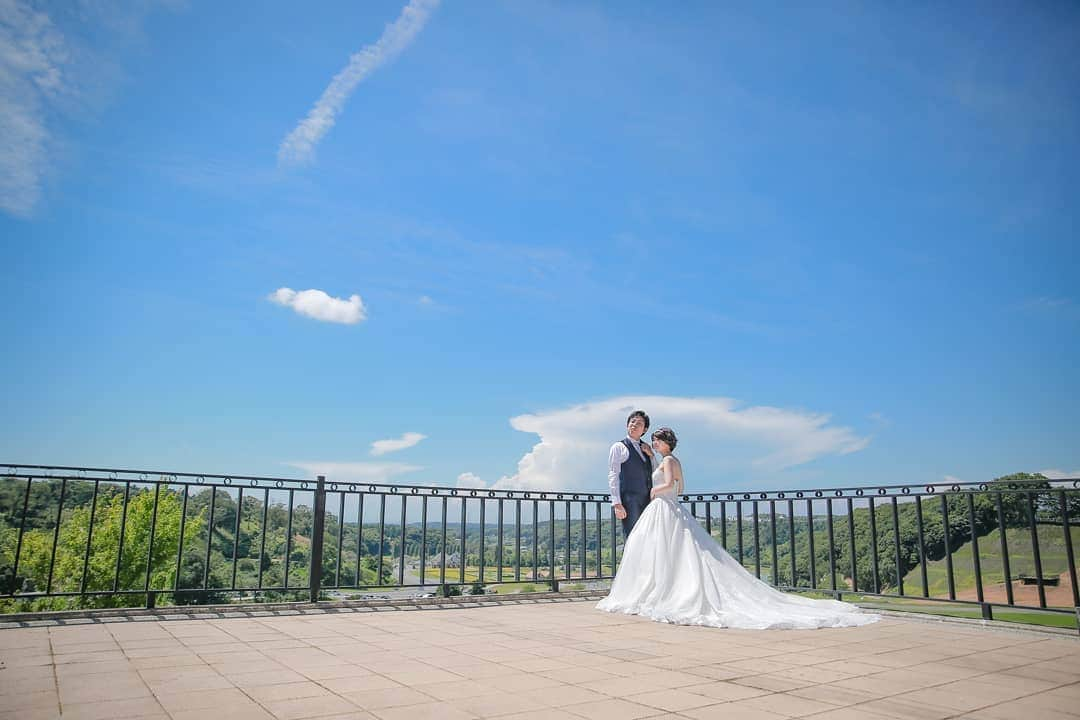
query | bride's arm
[669, 479]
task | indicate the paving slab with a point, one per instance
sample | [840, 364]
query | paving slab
[525, 660]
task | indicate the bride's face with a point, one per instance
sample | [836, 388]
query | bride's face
[661, 447]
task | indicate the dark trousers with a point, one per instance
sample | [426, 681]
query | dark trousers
[635, 505]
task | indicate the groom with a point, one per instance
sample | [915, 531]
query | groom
[630, 472]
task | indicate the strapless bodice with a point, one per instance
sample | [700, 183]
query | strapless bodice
[658, 479]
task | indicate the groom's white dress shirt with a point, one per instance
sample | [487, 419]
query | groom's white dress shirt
[618, 455]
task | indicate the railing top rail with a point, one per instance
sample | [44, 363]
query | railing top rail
[405, 489]
[868, 491]
[126, 475]
[58, 472]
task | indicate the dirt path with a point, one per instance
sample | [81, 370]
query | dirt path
[1056, 596]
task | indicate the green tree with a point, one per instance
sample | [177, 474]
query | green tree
[103, 569]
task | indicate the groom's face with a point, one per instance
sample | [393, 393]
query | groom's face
[635, 428]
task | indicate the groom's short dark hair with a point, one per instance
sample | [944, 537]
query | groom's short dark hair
[641, 414]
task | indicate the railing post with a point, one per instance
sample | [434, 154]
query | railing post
[1070, 559]
[551, 548]
[318, 524]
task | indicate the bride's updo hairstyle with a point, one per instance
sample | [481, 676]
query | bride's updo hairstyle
[667, 435]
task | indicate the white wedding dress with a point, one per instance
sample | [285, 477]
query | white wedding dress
[673, 571]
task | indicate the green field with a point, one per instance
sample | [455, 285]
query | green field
[491, 575]
[1021, 560]
[1028, 617]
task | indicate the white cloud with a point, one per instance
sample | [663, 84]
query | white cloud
[425, 300]
[408, 440]
[299, 145]
[720, 443]
[953, 479]
[470, 480]
[355, 472]
[320, 306]
[33, 56]
[1054, 474]
[56, 61]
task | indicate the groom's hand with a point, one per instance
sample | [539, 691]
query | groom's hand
[620, 512]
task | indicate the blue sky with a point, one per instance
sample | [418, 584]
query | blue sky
[830, 246]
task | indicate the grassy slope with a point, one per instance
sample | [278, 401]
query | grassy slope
[1021, 560]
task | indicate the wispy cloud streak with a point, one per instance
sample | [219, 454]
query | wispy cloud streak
[1048, 303]
[1055, 474]
[57, 62]
[299, 145]
[32, 59]
[408, 440]
[378, 472]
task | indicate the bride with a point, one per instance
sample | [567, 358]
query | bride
[673, 571]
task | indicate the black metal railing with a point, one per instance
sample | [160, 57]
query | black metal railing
[873, 538]
[200, 537]
[115, 537]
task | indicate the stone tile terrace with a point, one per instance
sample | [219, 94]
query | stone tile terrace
[517, 660]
